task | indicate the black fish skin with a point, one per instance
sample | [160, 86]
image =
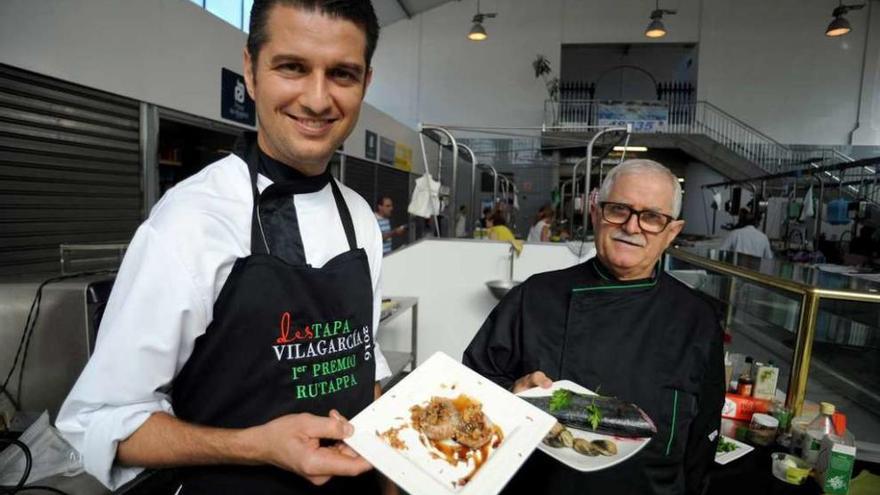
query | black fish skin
[619, 418]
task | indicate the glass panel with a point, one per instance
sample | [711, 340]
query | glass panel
[763, 321]
[845, 365]
[796, 272]
[228, 10]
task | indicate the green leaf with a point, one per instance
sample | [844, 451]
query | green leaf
[594, 415]
[559, 399]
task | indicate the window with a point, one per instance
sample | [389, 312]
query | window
[235, 12]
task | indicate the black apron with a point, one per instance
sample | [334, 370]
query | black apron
[285, 338]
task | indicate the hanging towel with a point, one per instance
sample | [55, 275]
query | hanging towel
[425, 200]
[808, 211]
[717, 202]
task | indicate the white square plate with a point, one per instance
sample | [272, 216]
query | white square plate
[741, 450]
[626, 447]
[415, 469]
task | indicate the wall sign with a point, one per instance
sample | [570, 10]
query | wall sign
[403, 157]
[386, 150]
[645, 116]
[235, 102]
[371, 145]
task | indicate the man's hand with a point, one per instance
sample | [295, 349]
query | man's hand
[400, 230]
[532, 380]
[292, 442]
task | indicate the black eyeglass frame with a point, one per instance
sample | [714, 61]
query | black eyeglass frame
[638, 213]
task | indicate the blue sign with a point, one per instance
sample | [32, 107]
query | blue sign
[645, 116]
[235, 102]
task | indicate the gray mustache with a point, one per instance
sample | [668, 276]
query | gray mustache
[636, 239]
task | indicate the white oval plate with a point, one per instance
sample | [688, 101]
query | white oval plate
[626, 447]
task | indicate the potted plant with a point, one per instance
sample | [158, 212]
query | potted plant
[543, 70]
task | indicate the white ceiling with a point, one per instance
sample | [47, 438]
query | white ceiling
[390, 11]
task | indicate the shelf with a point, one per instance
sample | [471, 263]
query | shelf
[171, 163]
[403, 304]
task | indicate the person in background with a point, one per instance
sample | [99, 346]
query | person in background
[620, 325]
[497, 228]
[746, 238]
[461, 222]
[244, 285]
[384, 208]
[484, 220]
[540, 231]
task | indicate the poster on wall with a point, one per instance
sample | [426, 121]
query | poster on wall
[235, 102]
[645, 116]
[403, 157]
[386, 150]
[371, 144]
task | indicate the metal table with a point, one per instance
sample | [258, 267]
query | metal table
[399, 360]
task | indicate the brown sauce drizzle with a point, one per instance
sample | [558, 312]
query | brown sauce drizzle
[453, 452]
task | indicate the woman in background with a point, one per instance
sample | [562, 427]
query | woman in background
[540, 231]
[497, 226]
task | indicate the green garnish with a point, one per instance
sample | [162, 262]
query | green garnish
[725, 446]
[559, 399]
[594, 415]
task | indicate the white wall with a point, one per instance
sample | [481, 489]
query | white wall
[767, 63]
[166, 52]
[448, 277]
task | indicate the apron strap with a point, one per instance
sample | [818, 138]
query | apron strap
[259, 244]
[344, 214]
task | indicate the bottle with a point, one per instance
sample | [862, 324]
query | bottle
[746, 383]
[817, 429]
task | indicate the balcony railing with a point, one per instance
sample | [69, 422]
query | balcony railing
[698, 117]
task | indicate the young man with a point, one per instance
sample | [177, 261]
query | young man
[384, 208]
[620, 325]
[240, 331]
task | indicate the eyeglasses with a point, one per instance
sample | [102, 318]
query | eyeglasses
[649, 221]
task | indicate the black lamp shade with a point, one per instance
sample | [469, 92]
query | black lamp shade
[838, 27]
[655, 29]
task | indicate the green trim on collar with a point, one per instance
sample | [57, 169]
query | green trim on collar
[613, 287]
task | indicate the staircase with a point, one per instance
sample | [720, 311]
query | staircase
[709, 134]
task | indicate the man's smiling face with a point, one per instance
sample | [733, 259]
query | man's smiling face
[627, 250]
[308, 84]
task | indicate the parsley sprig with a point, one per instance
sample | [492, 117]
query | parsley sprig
[559, 399]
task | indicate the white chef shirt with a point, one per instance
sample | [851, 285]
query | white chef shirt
[748, 240]
[163, 299]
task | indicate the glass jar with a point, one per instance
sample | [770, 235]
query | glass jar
[762, 429]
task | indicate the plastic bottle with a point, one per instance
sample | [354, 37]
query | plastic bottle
[817, 429]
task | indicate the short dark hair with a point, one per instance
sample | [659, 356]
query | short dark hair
[498, 218]
[381, 200]
[359, 12]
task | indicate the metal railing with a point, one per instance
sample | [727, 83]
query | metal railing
[697, 117]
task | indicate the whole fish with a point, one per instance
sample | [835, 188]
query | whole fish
[611, 415]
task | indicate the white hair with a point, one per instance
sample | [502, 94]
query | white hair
[641, 166]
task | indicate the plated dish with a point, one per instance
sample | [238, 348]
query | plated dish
[444, 429]
[593, 432]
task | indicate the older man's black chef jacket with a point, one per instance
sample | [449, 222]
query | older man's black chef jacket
[654, 342]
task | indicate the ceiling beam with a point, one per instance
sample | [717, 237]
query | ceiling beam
[404, 9]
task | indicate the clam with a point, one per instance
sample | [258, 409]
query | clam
[582, 446]
[605, 447]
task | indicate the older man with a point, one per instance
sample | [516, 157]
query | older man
[617, 323]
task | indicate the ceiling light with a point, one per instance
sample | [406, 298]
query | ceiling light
[630, 148]
[839, 26]
[656, 29]
[478, 32]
